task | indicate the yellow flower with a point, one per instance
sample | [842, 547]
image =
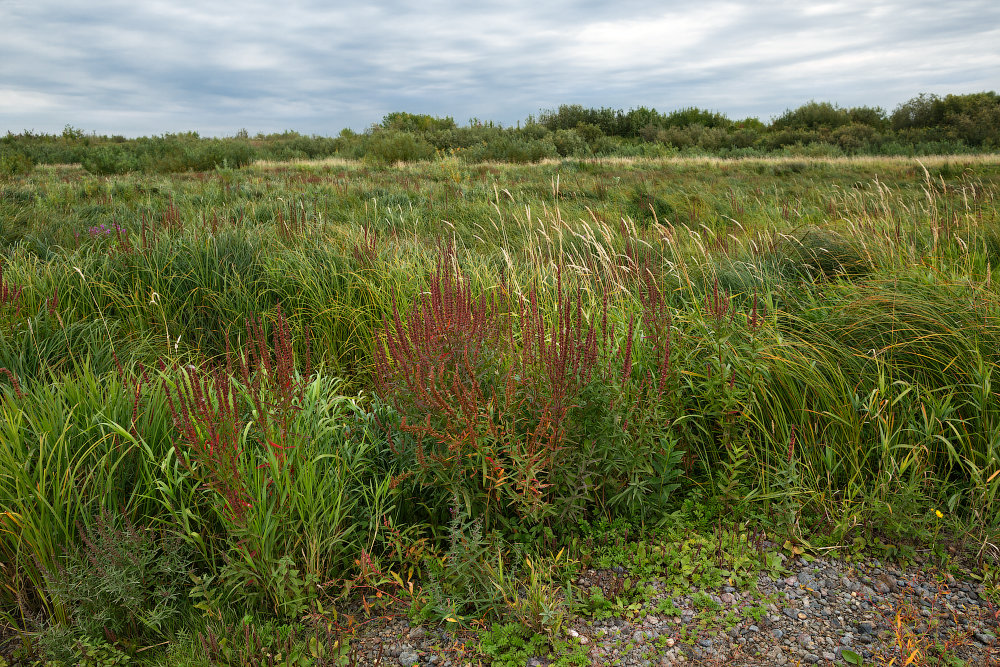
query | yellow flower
[939, 515]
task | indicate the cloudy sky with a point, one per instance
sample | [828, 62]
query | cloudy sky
[152, 66]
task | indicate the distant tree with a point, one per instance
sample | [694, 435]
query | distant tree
[751, 123]
[402, 121]
[919, 112]
[874, 117]
[636, 121]
[973, 118]
[696, 116]
[812, 116]
[569, 116]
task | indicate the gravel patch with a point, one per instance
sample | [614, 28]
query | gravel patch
[808, 617]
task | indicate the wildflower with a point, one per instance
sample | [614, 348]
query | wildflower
[939, 514]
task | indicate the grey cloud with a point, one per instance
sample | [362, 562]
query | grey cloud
[151, 67]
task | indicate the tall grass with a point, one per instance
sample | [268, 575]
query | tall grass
[494, 347]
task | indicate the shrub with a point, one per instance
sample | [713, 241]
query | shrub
[105, 160]
[510, 148]
[853, 137]
[812, 116]
[569, 143]
[221, 153]
[550, 420]
[15, 164]
[412, 122]
[388, 147]
[126, 582]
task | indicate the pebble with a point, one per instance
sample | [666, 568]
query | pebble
[812, 615]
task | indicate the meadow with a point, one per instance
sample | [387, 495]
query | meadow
[291, 393]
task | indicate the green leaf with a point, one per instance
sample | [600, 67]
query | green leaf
[850, 657]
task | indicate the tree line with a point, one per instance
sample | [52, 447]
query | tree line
[925, 124]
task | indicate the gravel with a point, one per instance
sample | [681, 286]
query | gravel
[819, 610]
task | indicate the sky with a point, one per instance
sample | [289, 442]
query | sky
[141, 67]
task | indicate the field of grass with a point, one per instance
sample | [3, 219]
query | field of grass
[291, 389]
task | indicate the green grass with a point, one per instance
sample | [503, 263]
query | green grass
[810, 340]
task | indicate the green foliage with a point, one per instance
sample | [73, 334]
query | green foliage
[124, 582]
[538, 434]
[514, 645]
[462, 583]
[695, 116]
[926, 124]
[510, 645]
[789, 343]
[250, 643]
[167, 154]
[569, 143]
[388, 147]
[813, 116]
[970, 118]
[15, 164]
[105, 160]
[401, 121]
[510, 148]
